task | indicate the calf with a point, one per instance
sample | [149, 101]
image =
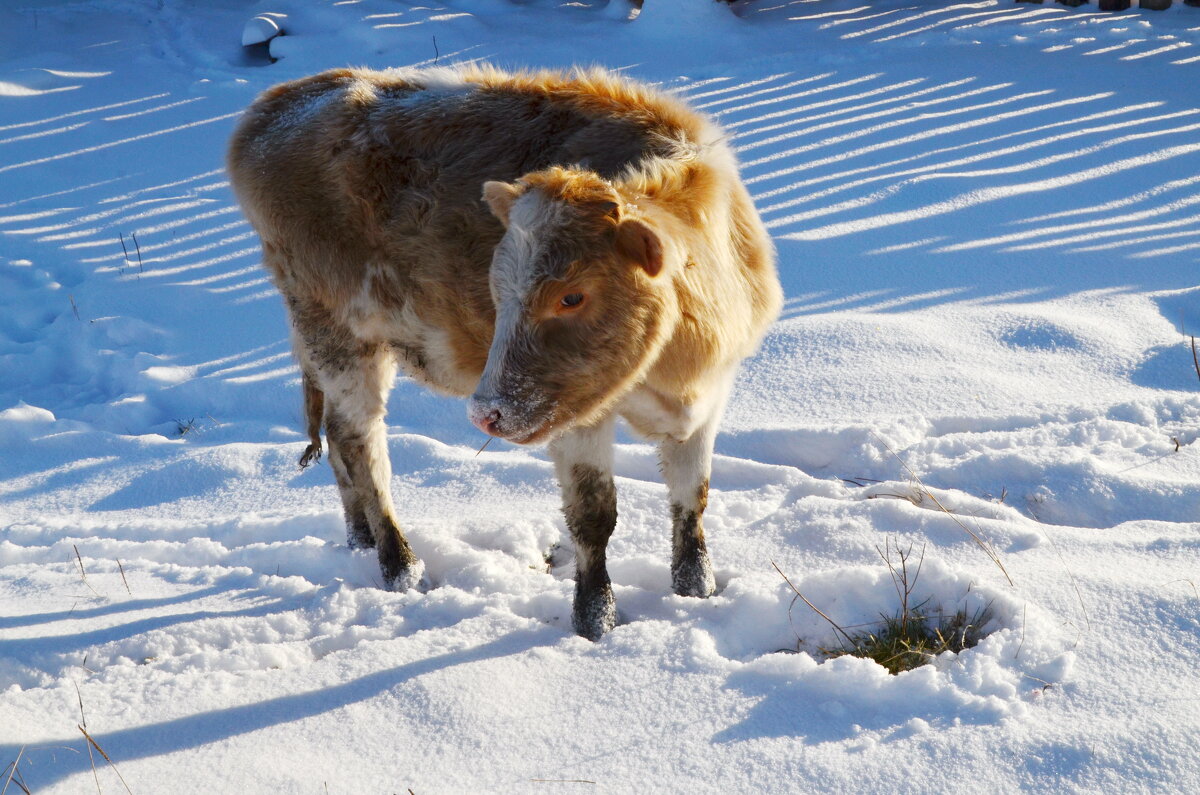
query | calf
[615, 266]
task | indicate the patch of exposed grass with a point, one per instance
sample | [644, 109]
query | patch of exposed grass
[911, 638]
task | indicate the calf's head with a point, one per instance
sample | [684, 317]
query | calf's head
[582, 305]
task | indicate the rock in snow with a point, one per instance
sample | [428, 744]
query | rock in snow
[263, 27]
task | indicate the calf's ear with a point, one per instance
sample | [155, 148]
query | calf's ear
[638, 243]
[500, 197]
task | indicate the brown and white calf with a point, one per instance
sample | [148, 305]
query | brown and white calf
[563, 249]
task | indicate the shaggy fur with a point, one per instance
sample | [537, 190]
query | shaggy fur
[615, 265]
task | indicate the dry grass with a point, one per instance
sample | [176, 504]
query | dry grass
[923, 491]
[1195, 358]
[93, 744]
[908, 640]
[912, 636]
[82, 571]
[13, 774]
[123, 579]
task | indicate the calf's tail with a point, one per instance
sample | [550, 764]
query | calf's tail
[314, 412]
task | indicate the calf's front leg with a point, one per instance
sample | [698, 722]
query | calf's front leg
[583, 461]
[686, 467]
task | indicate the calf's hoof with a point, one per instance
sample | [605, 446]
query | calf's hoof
[358, 536]
[693, 575]
[401, 568]
[595, 611]
[406, 577]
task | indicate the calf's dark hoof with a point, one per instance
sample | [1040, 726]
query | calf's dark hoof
[401, 568]
[358, 536]
[410, 576]
[692, 575]
[595, 611]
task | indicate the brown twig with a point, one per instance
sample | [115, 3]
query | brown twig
[815, 609]
[95, 744]
[122, 570]
[92, 759]
[138, 249]
[78, 695]
[1195, 360]
[984, 545]
[903, 585]
[860, 481]
[82, 573]
[12, 771]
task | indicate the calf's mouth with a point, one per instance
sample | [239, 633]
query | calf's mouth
[509, 420]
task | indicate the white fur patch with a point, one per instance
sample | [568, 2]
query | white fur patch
[591, 447]
[646, 411]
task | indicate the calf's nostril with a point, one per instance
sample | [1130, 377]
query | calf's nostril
[491, 420]
[486, 419]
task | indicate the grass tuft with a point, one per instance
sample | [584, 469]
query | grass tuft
[913, 636]
[911, 639]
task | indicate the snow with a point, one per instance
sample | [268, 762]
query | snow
[986, 220]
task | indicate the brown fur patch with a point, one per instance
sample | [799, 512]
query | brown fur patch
[591, 507]
[574, 186]
[596, 92]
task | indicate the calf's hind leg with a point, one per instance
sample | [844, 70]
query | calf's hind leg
[358, 529]
[355, 404]
[355, 378]
[583, 461]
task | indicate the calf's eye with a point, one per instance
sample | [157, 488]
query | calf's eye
[572, 300]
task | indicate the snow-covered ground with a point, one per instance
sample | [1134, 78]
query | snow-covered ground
[988, 223]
